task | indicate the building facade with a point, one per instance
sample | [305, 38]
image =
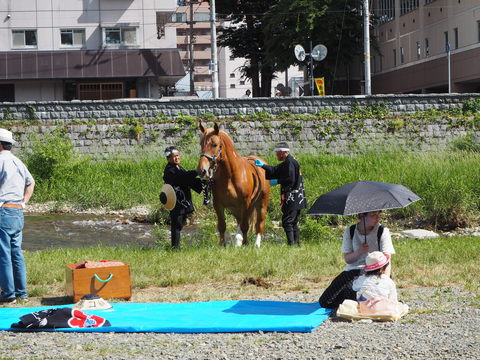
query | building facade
[87, 50]
[414, 39]
[191, 21]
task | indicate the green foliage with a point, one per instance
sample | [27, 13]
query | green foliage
[259, 116]
[133, 129]
[371, 111]
[466, 143]
[395, 125]
[291, 22]
[8, 115]
[50, 158]
[471, 107]
[186, 120]
[445, 181]
[31, 112]
[208, 117]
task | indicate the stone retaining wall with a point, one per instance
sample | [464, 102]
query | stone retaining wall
[123, 126]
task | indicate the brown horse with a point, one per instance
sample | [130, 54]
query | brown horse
[238, 185]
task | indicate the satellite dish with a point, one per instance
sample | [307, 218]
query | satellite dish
[299, 52]
[319, 52]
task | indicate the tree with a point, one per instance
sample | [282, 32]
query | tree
[245, 37]
[337, 24]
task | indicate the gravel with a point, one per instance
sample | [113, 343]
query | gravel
[443, 323]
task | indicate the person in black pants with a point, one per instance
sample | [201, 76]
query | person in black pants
[288, 175]
[358, 240]
[182, 181]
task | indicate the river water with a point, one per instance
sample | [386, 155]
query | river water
[72, 230]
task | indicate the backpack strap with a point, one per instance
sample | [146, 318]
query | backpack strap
[352, 231]
[379, 234]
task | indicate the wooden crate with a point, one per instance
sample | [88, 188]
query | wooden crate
[107, 282]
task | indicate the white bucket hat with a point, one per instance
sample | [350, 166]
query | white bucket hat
[6, 136]
[168, 197]
[376, 260]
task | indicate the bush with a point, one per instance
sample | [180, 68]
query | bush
[49, 158]
[466, 143]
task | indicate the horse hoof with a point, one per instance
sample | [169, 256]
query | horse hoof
[257, 245]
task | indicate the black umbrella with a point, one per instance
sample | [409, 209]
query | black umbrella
[362, 197]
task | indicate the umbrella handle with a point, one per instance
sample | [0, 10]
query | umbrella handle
[365, 229]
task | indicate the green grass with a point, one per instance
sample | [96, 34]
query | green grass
[435, 262]
[446, 182]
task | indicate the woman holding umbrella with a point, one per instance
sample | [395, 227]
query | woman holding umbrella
[358, 240]
[367, 199]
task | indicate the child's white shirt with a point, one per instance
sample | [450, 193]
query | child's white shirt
[375, 286]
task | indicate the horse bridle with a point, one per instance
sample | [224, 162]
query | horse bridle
[212, 159]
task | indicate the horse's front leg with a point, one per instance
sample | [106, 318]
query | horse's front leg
[221, 223]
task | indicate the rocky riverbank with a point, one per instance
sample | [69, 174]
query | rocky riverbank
[443, 324]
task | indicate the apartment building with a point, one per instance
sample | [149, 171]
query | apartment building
[414, 37]
[191, 21]
[78, 49]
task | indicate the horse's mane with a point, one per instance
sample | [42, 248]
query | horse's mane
[227, 141]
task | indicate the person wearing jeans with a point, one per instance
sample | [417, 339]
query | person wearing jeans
[16, 188]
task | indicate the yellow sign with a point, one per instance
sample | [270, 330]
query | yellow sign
[320, 82]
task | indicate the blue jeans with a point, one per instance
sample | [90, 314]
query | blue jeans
[13, 273]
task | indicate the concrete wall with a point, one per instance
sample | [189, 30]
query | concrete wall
[110, 128]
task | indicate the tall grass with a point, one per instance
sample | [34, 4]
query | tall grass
[447, 182]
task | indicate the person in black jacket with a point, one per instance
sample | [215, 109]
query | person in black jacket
[182, 181]
[288, 175]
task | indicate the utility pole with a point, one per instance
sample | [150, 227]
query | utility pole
[190, 48]
[449, 68]
[366, 47]
[213, 33]
[312, 91]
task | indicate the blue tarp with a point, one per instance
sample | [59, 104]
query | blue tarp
[200, 317]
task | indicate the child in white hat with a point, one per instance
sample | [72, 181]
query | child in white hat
[376, 291]
[374, 282]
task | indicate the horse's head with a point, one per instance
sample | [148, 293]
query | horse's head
[211, 150]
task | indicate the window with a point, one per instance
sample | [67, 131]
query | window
[428, 2]
[478, 26]
[402, 55]
[242, 82]
[419, 51]
[232, 86]
[100, 91]
[394, 57]
[455, 37]
[24, 38]
[72, 37]
[232, 75]
[408, 5]
[427, 48]
[447, 44]
[120, 36]
[385, 10]
[179, 17]
[201, 17]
